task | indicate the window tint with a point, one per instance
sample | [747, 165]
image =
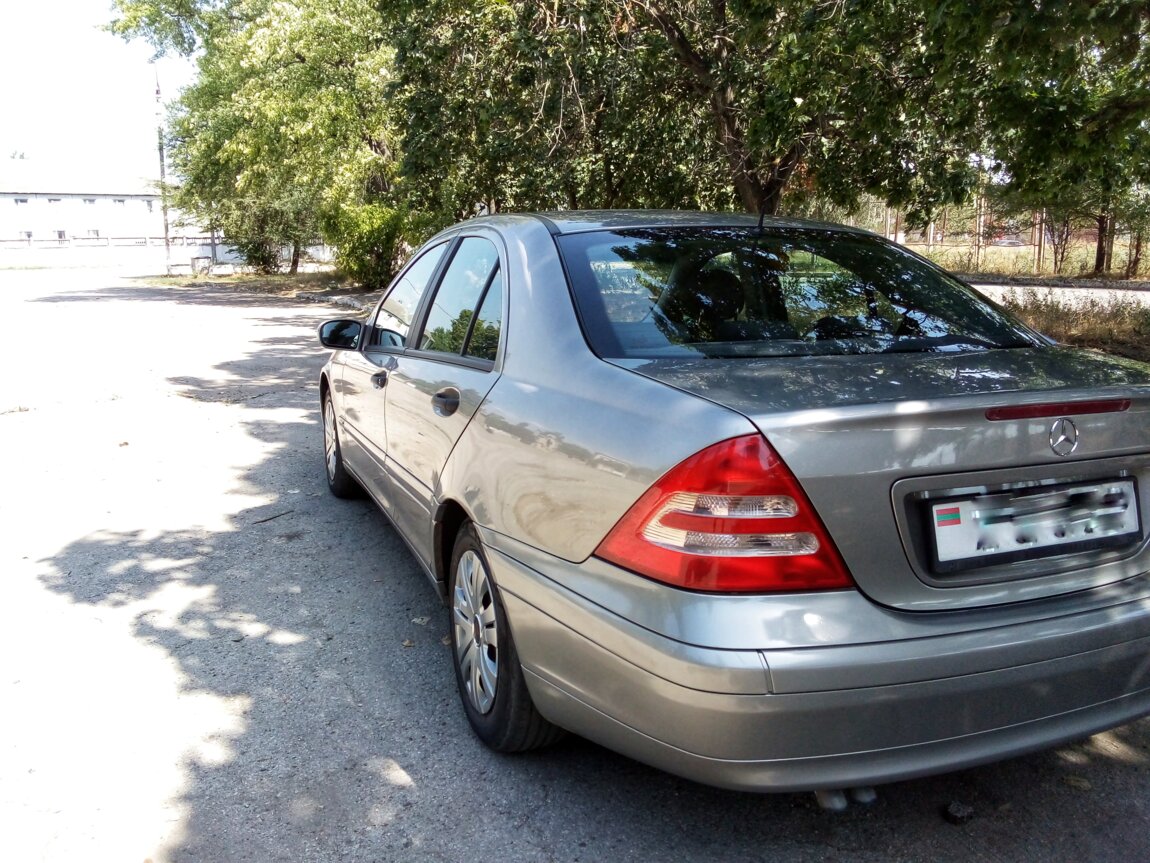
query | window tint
[474, 267]
[393, 320]
[718, 292]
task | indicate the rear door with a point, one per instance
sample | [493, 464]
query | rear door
[439, 381]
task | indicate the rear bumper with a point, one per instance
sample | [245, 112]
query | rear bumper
[849, 716]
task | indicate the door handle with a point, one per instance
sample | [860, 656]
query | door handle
[379, 380]
[445, 402]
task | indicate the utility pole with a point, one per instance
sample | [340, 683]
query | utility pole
[163, 175]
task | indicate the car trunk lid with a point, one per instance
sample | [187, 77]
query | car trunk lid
[941, 477]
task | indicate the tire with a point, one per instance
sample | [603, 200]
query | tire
[487, 669]
[339, 481]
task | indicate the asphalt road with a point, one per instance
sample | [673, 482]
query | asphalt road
[207, 658]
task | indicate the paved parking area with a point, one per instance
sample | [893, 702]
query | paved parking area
[207, 658]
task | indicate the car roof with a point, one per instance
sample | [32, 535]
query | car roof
[578, 221]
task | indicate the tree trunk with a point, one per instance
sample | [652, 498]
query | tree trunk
[1039, 241]
[1058, 232]
[1135, 261]
[1103, 220]
[295, 251]
[979, 224]
[750, 189]
[758, 190]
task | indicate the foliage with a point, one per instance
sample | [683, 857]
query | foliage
[371, 239]
[638, 103]
[534, 105]
[180, 26]
[348, 117]
[285, 127]
[1057, 79]
[1063, 103]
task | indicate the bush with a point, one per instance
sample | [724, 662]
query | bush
[369, 241]
[261, 254]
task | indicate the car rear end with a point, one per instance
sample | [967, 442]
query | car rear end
[917, 545]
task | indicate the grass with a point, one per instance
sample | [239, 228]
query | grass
[281, 284]
[1117, 325]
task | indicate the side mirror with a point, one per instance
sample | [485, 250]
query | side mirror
[340, 335]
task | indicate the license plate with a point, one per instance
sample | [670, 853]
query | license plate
[1017, 525]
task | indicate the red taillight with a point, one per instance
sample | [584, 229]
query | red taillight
[730, 519]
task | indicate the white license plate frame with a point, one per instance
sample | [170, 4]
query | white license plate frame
[980, 530]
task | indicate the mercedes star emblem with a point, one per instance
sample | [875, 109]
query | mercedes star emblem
[1063, 436]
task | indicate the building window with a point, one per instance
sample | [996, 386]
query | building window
[149, 203]
[53, 200]
[61, 235]
[20, 201]
[94, 232]
[27, 235]
[89, 200]
[117, 200]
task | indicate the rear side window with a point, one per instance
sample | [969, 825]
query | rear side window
[484, 340]
[466, 312]
[719, 292]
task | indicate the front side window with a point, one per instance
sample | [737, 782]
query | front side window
[734, 292]
[465, 314]
[393, 320]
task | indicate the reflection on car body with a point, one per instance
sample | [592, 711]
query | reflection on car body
[694, 488]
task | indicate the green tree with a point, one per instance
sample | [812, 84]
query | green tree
[285, 129]
[766, 104]
[1062, 90]
[675, 103]
[538, 105]
[285, 136]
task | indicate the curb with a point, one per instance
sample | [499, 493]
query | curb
[362, 303]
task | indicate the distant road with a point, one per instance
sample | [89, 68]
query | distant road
[1104, 291]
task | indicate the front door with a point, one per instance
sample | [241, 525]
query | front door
[439, 382]
[366, 372]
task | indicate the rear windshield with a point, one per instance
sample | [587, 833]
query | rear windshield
[711, 292]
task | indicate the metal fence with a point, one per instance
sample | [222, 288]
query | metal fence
[976, 239]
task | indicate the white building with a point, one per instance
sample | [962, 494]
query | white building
[49, 218]
[54, 216]
[50, 205]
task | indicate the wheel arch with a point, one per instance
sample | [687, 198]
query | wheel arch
[449, 517]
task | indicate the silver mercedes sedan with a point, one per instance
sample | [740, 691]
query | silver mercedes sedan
[773, 506]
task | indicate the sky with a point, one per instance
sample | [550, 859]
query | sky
[79, 103]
